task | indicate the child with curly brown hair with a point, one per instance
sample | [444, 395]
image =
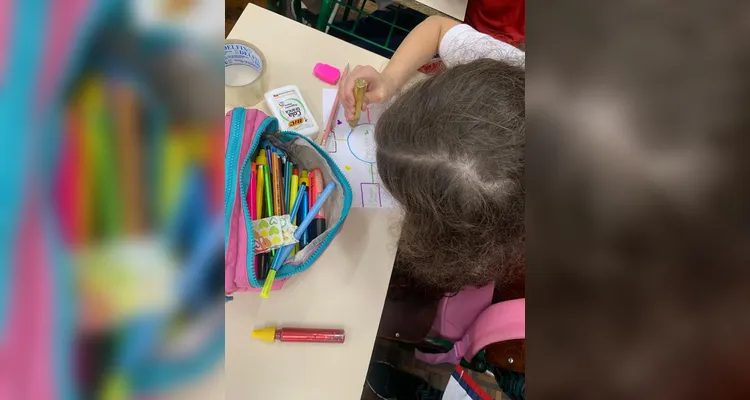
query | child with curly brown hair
[450, 150]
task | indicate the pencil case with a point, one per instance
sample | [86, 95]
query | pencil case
[245, 130]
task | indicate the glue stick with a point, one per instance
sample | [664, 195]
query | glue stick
[272, 334]
[288, 106]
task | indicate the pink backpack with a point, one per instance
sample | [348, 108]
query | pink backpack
[472, 322]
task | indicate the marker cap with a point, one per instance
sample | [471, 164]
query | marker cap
[265, 334]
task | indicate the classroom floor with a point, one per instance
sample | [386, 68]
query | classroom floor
[403, 358]
[233, 9]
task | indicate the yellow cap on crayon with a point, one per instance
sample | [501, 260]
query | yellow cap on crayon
[267, 286]
[261, 159]
[265, 334]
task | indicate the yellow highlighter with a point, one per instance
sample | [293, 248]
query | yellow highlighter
[304, 179]
[294, 187]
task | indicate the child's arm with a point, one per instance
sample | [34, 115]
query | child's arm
[416, 50]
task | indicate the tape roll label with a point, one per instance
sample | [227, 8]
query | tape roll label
[238, 54]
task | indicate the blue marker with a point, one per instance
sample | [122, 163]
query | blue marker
[302, 216]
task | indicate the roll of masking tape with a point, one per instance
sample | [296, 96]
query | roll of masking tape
[244, 73]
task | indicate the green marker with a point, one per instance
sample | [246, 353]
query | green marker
[269, 201]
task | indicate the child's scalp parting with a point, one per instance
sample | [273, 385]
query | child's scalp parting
[451, 151]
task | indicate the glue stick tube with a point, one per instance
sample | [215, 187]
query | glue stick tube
[272, 334]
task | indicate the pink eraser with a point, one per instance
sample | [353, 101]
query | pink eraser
[327, 73]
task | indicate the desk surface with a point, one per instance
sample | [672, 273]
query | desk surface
[345, 288]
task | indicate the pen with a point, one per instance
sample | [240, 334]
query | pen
[318, 225]
[284, 252]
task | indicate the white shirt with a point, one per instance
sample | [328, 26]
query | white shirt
[462, 44]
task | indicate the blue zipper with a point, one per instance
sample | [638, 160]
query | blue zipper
[230, 162]
[250, 257]
[340, 177]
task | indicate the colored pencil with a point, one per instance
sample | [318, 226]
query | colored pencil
[332, 115]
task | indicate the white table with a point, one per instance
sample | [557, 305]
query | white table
[345, 288]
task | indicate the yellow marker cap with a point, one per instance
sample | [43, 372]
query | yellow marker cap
[265, 334]
[267, 286]
[261, 159]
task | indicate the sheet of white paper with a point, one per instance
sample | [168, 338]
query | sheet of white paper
[354, 152]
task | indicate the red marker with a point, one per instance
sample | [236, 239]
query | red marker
[318, 225]
[300, 335]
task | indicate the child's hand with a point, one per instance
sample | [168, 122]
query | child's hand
[379, 88]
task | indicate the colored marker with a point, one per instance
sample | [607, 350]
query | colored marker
[260, 260]
[276, 181]
[251, 193]
[286, 250]
[253, 205]
[303, 216]
[293, 188]
[287, 186]
[304, 179]
[282, 255]
[269, 208]
[260, 161]
[316, 188]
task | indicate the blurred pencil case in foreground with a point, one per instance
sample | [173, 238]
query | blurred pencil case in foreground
[248, 132]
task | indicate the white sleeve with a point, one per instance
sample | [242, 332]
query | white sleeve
[462, 44]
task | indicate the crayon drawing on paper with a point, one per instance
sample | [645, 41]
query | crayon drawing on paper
[353, 149]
